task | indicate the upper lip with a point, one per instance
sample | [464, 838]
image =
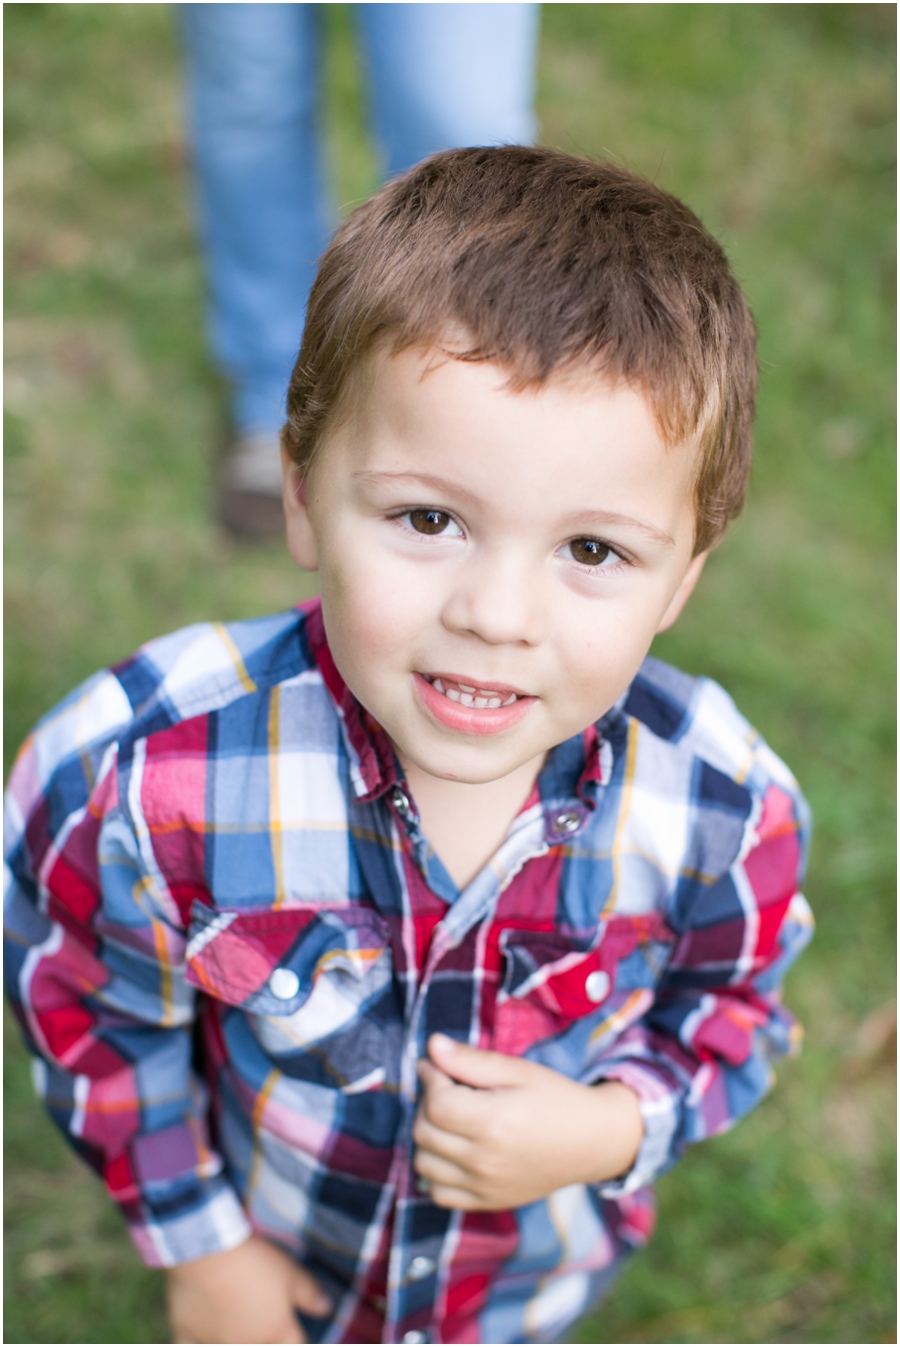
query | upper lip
[479, 684]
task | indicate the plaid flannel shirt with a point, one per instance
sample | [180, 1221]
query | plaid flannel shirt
[228, 940]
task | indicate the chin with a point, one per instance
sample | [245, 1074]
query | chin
[466, 773]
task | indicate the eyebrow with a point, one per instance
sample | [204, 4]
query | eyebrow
[581, 518]
[443, 485]
[585, 518]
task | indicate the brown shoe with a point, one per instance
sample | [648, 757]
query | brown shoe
[248, 491]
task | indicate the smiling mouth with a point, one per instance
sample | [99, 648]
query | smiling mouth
[480, 697]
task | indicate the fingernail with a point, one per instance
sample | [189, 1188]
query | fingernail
[443, 1043]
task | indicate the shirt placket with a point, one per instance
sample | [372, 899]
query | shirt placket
[422, 1250]
[425, 1237]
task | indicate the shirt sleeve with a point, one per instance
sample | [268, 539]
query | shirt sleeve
[700, 1058]
[94, 949]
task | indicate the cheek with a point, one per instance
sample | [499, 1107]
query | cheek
[602, 653]
[372, 611]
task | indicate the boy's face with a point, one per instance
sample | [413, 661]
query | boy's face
[494, 564]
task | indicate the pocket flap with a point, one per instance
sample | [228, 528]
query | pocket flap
[569, 979]
[269, 961]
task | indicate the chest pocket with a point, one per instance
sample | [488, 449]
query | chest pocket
[551, 982]
[316, 985]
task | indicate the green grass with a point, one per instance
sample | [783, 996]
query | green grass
[776, 124]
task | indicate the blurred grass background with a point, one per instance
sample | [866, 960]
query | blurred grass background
[776, 123]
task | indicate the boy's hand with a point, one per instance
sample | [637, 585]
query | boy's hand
[247, 1294]
[495, 1132]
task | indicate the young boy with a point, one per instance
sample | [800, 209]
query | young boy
[379, 954]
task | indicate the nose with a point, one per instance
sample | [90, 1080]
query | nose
[498, 599]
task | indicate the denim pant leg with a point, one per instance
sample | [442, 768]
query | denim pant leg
[252, 106]
[445, 75]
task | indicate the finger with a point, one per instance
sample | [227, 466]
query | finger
[436, 1169]
[457, 1109]
[432, 1078]
[476, 1066]
[308, 1295]
[435, 1083]
[459, 1199]
[450, 1145]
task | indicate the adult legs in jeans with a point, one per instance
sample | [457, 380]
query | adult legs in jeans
[440, 75]
[252, 77]
[444, 75]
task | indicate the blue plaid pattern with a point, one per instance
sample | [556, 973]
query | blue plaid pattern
[228, 940]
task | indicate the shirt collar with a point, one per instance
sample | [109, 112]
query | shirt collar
[575, 769]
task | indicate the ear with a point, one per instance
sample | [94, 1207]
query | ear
[683, 592]
[301, 539]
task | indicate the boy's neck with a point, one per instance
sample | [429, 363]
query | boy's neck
[466, 823]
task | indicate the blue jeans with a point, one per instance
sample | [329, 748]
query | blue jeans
[440, 75]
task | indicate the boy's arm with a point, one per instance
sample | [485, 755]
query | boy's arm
[700, 1058]
[94, 969]
[692, 1065]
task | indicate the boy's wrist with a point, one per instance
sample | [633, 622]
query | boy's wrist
[622, 1129]
[207, 1265]
[249, 1293]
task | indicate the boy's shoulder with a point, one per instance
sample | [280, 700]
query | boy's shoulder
[168, 682]
[695, 720]
[699, 790]
[205, 667]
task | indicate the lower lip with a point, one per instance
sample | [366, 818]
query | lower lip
[470, 719]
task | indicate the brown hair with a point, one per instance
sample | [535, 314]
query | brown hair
[549, 264]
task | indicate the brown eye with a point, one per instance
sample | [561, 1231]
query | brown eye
[589, 551]
[429, 521]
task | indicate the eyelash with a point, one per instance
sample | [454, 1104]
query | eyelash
[621, 559]
[425, 509]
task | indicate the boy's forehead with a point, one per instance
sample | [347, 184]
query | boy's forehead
[410, 371]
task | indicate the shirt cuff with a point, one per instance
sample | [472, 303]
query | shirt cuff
[660, 1111]
[214, 1225]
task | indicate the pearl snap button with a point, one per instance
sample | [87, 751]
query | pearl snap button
[284, 984]
[596, 985]
[568, 822]
[415, 1336]
[401, 804]
[420, 1267]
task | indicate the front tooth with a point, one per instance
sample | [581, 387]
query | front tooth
[453, 694]
[438, 684]
[466, 699]
[493, 703]
[510, 699]
[464, 688]
[482, 702]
